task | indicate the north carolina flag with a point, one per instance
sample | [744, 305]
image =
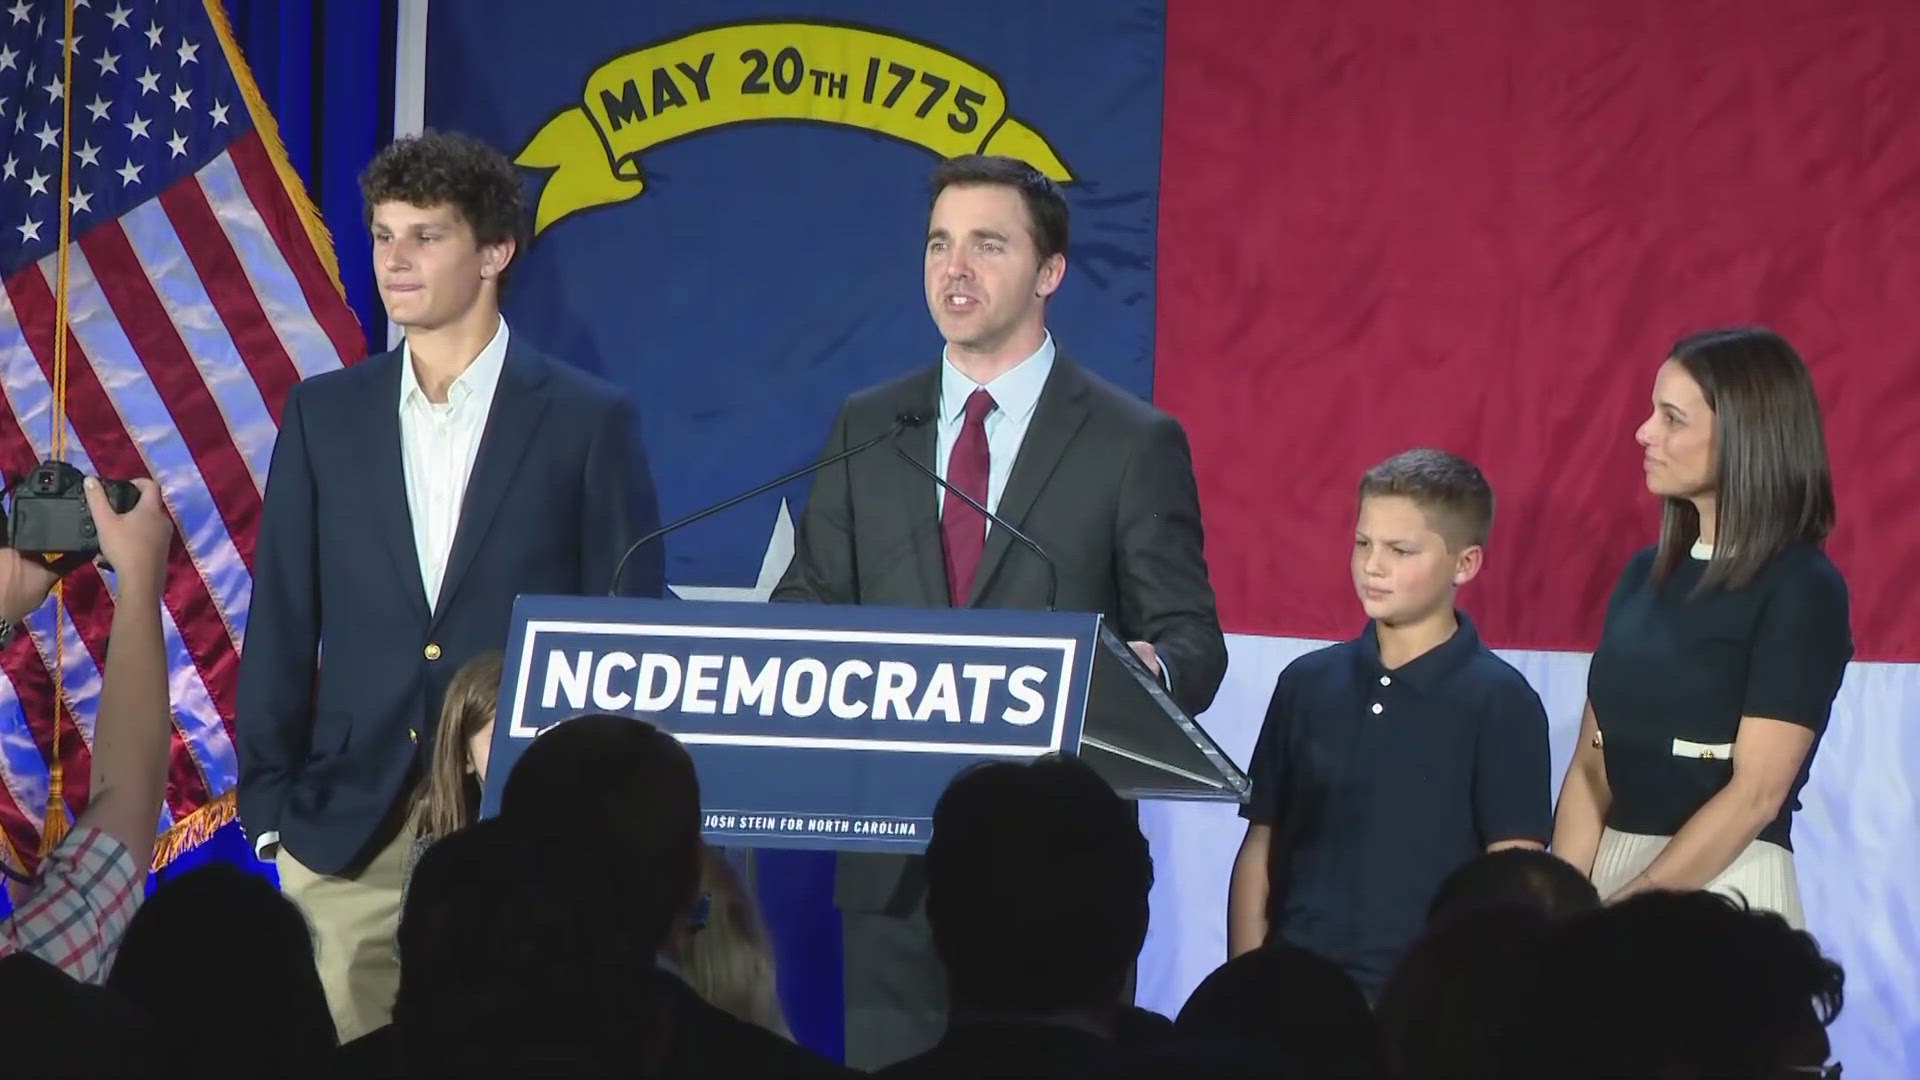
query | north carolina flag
[1318, 233]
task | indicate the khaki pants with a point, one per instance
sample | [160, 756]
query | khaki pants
[353, 920]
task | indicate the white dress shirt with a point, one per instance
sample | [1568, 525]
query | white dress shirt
[1015, 393]
[438, 443]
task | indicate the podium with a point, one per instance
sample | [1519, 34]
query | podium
[838, 726]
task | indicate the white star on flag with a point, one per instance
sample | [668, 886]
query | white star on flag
[7, 170]
[48, 135]
[119, 16]
[179, 145]
[29, 230]
[153, 35]
[89, 154]
[186, 52]
[138, 127]
[108, 61]
[149, 82]
[772, 566]
[99, 107]
[7, 57]
[38, 182]
[219, 114]
[130, 174]
[80, 200]
[180, 96]
[54, 90]
[20, 11]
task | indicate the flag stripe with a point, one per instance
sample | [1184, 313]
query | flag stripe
[123, 281]
[23, 772]
[252, 346]
[113, 450]
[135, 406]
[275, 207]
[273, 280]
[88, 602]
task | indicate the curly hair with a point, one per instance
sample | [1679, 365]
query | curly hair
[437, 168]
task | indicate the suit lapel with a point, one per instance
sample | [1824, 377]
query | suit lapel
[1056, 419]
[918, 494]
[386, 479]
[511, 421]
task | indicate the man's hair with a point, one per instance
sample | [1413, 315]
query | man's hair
[1046, 207]
[1684, 984]
[1517, 877]
[626, 780]
[436, 168]
[1448, 488]
[1037, 882]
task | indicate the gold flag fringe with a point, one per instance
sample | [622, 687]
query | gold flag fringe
[193, 830]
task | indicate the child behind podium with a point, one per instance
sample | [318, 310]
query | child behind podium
[1387, 761]
[449, 800]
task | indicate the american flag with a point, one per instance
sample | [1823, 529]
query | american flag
[200, 288]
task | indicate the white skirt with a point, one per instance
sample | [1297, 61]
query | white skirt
[1762, 875]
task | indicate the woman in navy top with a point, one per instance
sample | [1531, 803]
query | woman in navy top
[1724, 644]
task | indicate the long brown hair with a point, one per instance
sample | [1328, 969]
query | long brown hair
[1770, 478]
[446, 803]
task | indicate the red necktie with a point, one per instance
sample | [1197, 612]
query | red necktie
[963, 531]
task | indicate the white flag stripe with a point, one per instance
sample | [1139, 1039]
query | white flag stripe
[22, 768]
[273, 280]
[162, 254]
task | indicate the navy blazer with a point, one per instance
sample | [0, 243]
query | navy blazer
[345, 663]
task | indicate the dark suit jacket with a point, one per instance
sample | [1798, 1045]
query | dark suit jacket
[559, 488]
[1103, 482]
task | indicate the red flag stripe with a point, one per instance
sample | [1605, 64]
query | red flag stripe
[225, 281]
[276, 209]
[118, 275]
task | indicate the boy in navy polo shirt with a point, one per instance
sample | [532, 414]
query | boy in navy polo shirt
[1387, 761]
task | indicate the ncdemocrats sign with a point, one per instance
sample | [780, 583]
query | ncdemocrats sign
[811, 726]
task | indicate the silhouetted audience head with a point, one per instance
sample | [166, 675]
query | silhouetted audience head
[220, 918]
[1445, 1012]
[1299, 1013]
[602, 771]
[1679, 986]
[63, 1027]
[1516, 876]
[1037, 882]
[527, 939]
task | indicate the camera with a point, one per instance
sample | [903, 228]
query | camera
[50, 515]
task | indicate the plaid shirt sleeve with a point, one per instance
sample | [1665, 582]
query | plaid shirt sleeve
[74, 918]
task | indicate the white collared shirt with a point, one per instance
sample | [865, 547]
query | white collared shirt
[438, 444]
[1015, 393]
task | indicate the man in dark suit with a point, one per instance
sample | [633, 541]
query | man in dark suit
[1099, 479]
[410, 498]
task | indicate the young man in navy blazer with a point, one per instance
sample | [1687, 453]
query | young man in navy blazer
[411, 497]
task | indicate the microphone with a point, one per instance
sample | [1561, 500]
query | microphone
[907, 420]
[900, 423]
